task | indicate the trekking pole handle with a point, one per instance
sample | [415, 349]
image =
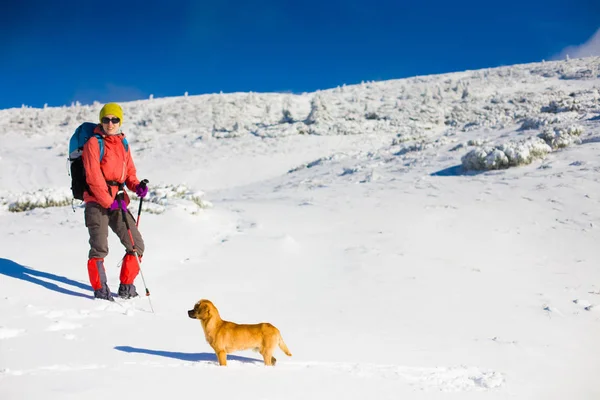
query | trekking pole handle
[143, 184]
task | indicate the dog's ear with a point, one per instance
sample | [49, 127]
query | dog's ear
[204, 310]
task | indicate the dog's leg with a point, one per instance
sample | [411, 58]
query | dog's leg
[268, 357]
[268, 349]
[222, 356]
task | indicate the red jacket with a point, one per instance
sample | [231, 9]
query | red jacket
[116, 165]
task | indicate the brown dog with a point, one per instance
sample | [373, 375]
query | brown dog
[226, 337]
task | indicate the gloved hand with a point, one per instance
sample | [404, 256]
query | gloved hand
[118, 205]
[141, 189]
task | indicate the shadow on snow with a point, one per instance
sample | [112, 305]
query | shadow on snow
[186, 356]
[457, 170]
[18, 271]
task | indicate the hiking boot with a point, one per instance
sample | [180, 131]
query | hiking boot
[103, 293]
[127, 291]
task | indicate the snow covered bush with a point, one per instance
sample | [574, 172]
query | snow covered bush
[562, 105]
[372, 115]
[165, 194]
[524, 152]
[484, 158]
[512, 153]
[476, 142]
[581, 73]
[42, 198]
[319, 111]
[161, 195]
[286, 116]
[506, 155]
[236, 130]
[277, 131]
[421, 146]
[318, 162]
[338, 128]
[406, 137]
[539, 121]
[560, 137]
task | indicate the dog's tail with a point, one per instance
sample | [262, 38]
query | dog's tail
[283, 346]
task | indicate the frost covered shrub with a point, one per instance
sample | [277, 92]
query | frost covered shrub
[318, 111]
[21, 206]
[561, 137]
[420, 146]
[162, 197]
[288, 129]
[318, 162]
[540, 121]
[457, 147]
[484, 158]
[582, 73]
[43, 198]
[562, 105]
[165, 194]
[457, 115]
[475, 142]
[405, 137]
[237, 130]
[286, 117]
[505, 155]
[345, 128]
[524, 152]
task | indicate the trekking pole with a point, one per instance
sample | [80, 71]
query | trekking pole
[121, 199]
[143, 183]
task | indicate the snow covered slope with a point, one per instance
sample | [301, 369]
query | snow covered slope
[348, 218]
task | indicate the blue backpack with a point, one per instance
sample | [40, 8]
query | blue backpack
[82, 134]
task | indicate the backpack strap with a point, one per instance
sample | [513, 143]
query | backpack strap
[100, 144]
[111, 184]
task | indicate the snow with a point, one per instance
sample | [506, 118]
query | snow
[347, 218]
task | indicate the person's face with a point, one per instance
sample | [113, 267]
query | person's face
[109, 125]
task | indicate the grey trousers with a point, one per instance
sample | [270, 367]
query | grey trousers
[98, 219]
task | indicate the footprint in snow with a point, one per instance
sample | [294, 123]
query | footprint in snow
[444, 379]
[586, 305]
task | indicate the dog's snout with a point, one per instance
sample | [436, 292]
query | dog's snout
[191, 314]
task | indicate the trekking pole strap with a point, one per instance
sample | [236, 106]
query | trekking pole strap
[120, 186]
[115, 183]
[143, 183]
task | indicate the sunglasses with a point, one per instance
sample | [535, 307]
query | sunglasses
[114, 120]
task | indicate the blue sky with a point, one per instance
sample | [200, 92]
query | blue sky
[60, 52]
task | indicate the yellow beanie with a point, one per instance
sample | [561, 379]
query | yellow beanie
[112, 109]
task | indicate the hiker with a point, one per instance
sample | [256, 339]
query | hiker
[105, 177]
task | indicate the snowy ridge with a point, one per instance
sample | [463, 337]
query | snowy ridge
[492, 98]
